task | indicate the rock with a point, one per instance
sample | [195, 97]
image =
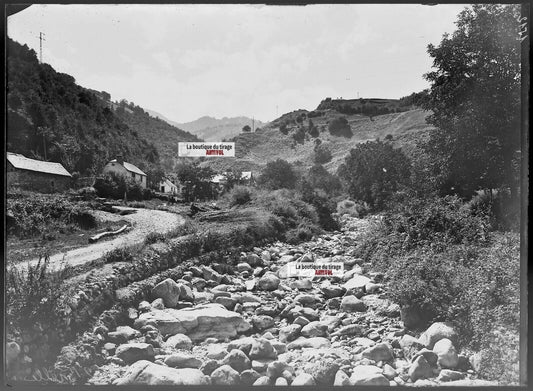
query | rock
[301, 285]
[476, 361]
[351, 329]
[209, 366]
[430, 356]
[167, 290]
[449, 375]
[244, 267]
[447, 356]
[368, 375]
[225, 376]
[330, 291]
[352, 304]
[323, 371]
[281, 381]
[255, 260]
[216, 352]
[341, 379]
[356, 282]
[179, 360]
[406, 341]
[314, 329]
[228, 302]
[262, 348]
[123, 334]
[262, 381]
[420, 369]
[279, 346]
[262, 322]
[289, 333]
[315, 343]
[237, 360]
[275, 369]
[132, 352]
[158, 304]
[389, 372]
[373, 288]
[186, 293]
[305, 300]
[209, 273]
[436, 332]
[144, 306]
[261, 365]
[12, 352]
[379, 352]
[147, 373]
[200, 322]
[303, 379]
[243, 343]
[268, 282]
[249, 376]
[109, 348]
[300, 320]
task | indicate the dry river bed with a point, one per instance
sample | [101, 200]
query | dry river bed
[262, 326]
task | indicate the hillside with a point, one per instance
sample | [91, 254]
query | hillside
[50, 117]
[254, 150]
[213, 129]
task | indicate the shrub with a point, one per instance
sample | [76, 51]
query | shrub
[322, 154]
[283, 128]
[304, 232]
[121, 254]
[340, 127]
[240, 195]
[299, 135]
[154, 237]
[277, 175]
[353, 209]
[116, 186]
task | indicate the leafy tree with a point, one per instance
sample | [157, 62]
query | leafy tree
[475, 100]
[320, 178]
[196, 181]
[278, 174]
[340, 127]
[312, 129]
[299, 135]
[374, 171]
[322, 154]
[246, 128]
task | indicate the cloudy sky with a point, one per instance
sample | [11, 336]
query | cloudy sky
[187, 61]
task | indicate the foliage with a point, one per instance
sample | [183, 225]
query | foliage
[319, 178]
[340, 127]
[374, 171]
[196, 181]
[322, 203]
[312, 129]
[475, 100]
[417, 99]
[299, 135]
[322, 154]
[117, 186]
[278, 174]
[283, 128]
[240, 195]
[246, 128]
[353, 209]
[120, 254]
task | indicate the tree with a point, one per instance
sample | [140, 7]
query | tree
[322, 154]
[374, 171]
[340, 127]
[246, 128]
[475, 100]
[277, 175]
[196, 180]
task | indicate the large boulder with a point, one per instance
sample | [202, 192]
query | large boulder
[352, 304]
[315, 329]
[180, 360]
[146, 373]
[447, 355]
[379, 352]
[420, 369]
[132, 352]
[237, 360]
[269, 282]
[198, 323]
[167, 290]
[341, 379]
[436, 332]
[225, 376]
[356, 282]
[368, 375]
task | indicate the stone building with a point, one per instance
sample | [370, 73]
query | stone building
[120, 167]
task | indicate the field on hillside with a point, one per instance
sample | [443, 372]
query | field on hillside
[254, 150]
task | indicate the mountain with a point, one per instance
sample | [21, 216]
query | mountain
[213, 129]
[289, 137]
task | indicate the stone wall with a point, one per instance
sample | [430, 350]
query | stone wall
[37, 181]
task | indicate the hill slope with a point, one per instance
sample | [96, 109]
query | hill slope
[254, 150]
[213, 129]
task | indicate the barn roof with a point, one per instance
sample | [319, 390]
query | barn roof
[21, 162]
[130, 167]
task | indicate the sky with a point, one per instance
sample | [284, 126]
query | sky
[188, 61]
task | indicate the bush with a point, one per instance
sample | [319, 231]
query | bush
[116, 186]
[121, 254]
[283, 128]
[154, 237]
[299, 135]
[277, 175]
[322, 154]
[340, 127]
[353, 209]
[304, 232]
[240, 195]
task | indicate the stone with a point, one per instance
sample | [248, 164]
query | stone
[261, 365]
[289, 333]
[279, 346]
[447, 375]
[281, 381]
[216, 352]
[330, 291]
[436, 332]
[249, 376]
[225, 376]
[158, 304]
[209, 273]
[351, 330]
[315, 343]
[420, 369]
[303, 379]
[302, 285]
[341, 379]
[447, 355]
[476, 361]
[269, 282]
[132, 352]
[123, 334]
[305, 300]
[352, 304]
[254, 260]
[198, 323]
[262, 381]
[186, 293]
[430, 356]
[314, 329]
[167, 290]
[300, 320]
[262, 348]
[323, 370]
[373, 288]
[237, 360]
[389, 372]
[368, 375]
[262, 322]
[275, 369]
[146, 373]
[143, 306]
[209, 366]
[357, 281]
[379, 352]
[179, 360]
[243, 343]
[244, 267]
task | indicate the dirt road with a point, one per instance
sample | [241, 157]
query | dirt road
[143, 222]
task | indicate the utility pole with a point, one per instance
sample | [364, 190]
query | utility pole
[41, 39]
[253, 124]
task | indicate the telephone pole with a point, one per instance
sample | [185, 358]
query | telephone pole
[253, 124]
[41, 39]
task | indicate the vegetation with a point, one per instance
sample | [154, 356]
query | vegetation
[119, 187]
[196, 180]
[278, 174]
[322, 154]
[340, 127]
[240, 195]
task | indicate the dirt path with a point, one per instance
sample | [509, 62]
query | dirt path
[143, 222]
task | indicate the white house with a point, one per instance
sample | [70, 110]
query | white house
[120, 167]
[167, 187]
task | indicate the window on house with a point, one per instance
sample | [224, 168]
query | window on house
[133, 175]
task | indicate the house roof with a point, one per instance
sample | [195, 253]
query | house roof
[23, 163]
[130, 167]
[168, 181]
